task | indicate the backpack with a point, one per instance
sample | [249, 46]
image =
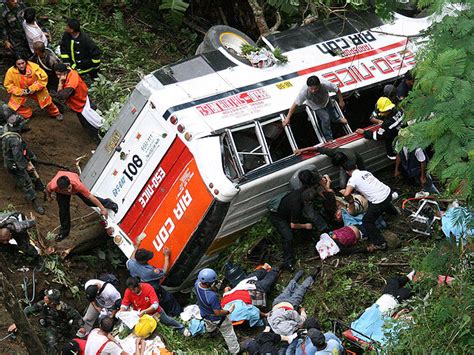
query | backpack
[110, 279]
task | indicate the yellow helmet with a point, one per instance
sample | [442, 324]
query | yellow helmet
[384, 104]
[145, 326]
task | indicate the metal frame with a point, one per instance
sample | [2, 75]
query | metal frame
[314, 121]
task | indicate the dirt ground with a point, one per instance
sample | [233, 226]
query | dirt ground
[52, 141]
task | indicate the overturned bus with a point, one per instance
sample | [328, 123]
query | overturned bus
[199, 149]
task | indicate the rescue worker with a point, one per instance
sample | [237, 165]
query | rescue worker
[26, 79]
[65, 184]
[379, 196]
[60, 320]
[291, 212]
[412, 165]
[215, 318]
[46, 59]
[14, 225]
[79, 50]
[316, 95]
[406, 85]
[391, 119]
[73, 90]
[338, 157]
[18, 161]
[13, 35]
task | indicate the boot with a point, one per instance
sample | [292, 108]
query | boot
[37, 206]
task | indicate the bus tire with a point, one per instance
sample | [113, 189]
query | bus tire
[228, 38]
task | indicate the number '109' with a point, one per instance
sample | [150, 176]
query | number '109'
[132, 168]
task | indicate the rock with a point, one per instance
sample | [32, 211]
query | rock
[393, 242]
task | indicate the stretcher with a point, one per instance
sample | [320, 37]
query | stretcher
[351, 339]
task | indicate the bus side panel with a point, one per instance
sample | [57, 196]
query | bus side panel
[181, 273]
[156, 188]
[178, 216]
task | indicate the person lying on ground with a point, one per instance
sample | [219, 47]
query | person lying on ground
[283, 318]
[339, 156]
[372, 322]
[215, 318]
[250, 294]
[266, 342]
[303, 344]
[142, 298]
[105, 300]
[65, 184]
[139, 267]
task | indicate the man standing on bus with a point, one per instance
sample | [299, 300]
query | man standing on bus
[316, 95]
[65, 184]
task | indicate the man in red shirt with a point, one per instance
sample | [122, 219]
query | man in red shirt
[65, 184]
[142, 297]
[73, 90]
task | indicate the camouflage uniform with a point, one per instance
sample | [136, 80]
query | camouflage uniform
[16, 157]
[60, 321]
[11, 26]
[18, 226]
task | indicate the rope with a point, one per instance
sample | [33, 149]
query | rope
[7, 336]
[24, 286]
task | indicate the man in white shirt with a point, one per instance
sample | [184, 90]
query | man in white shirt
[379, 196]
[315, 94]
[104, 301]
[33, 32]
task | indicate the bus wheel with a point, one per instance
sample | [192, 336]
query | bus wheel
[228, 38]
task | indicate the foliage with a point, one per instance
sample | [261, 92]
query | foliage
[53, 264]
[441, 320]
[175, 10]
[247, 49]
[130, 47]
[440, 103]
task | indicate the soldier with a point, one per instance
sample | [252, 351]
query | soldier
[15, 225]
[11, 25]
[17, 159]
[59, 319]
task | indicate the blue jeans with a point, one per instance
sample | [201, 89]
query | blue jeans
[167, 320]
[327, 115]
[294, 293]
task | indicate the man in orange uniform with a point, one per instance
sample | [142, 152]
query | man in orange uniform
[26, 79]
[73, 90]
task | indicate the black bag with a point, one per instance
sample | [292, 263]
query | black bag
[109, 278]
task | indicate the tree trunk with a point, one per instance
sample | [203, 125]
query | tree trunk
[259, 17]
[8, 294]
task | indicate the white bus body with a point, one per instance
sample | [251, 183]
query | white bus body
[198, 150]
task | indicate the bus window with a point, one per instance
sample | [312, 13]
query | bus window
[231, 162]
[276, 138]
[303, 130]
[249, 149]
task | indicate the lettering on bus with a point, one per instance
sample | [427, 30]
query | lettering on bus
[342, 44]
[151, 187]
[232, 102]
[170, 223]
[365, 71]
[133, 167]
